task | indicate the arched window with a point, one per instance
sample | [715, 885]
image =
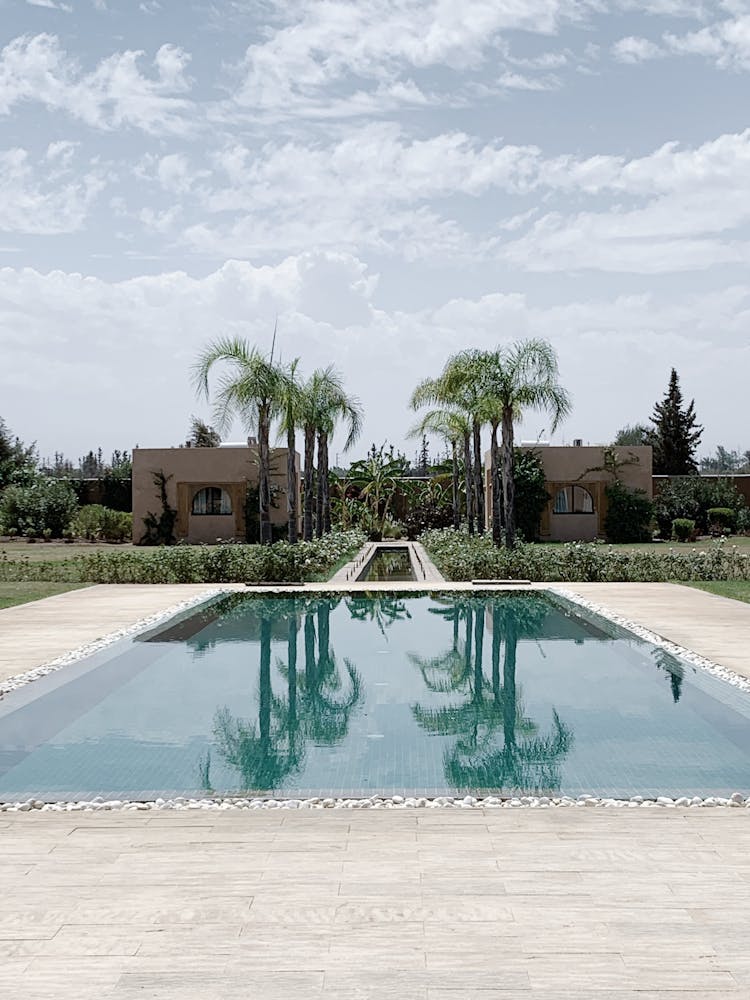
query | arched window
[211, 500]
[573, 500]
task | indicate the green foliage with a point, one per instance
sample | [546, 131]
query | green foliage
[683, 529]
[46, 504]
[632, 436]
[462, 557]
[531, 497]
[693, 496]
[88, 522]
[202, 435]
[428, 505]
[377, 479]
[160, 528]
[721, 520]
[629, 514]
[676, 433]
[743, 520]
[229, 563]
[18, 463]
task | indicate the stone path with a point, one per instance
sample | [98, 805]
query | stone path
[418, 905]
[716, 627]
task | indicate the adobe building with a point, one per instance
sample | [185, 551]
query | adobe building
[207, 487]
[576, 480]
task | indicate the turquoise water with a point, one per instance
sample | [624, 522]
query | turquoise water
[381, 693]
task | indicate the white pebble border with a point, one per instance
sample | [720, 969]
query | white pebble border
[20, 680]
[99, 804]
[695, 659]
[737, 800]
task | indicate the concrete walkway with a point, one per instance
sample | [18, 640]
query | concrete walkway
[715, 627]
[417, 905]
[32, 634]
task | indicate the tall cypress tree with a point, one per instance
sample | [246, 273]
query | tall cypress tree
[676, 433]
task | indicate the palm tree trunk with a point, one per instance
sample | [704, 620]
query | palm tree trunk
[467, 477]
[309, 498]
[478, 476]
[320, 507]
[497, 499]
[456, 511]
[509, 489]
[326, 489]
[291, 484]
[319, 490]
[264, 476]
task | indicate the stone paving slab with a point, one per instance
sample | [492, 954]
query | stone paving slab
[715, 627]
[612, 905]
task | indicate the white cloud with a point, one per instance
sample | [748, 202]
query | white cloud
[113, 95]
[38, 203]
[725, 43]
[635, 50]
[615, 353]
[383, 190]
[51, 5]
[319, 46]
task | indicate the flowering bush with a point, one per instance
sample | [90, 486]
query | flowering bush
[464, 557]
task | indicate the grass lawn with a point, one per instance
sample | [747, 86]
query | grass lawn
[739, 590]
[12, 594]
[56, 551]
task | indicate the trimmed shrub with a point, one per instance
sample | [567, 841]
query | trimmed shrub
[629, 514]
[460, 556]
[743, 520]
[721, 520]
[683, 529]
[233, 563]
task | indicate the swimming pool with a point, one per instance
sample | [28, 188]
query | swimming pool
[360, 693]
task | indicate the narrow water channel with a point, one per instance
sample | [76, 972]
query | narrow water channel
[389, 564]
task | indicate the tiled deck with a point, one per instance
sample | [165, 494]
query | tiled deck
[417, 905]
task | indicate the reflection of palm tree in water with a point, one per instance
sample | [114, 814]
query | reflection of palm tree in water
[267, 753]
[524, 760]
[325, 716]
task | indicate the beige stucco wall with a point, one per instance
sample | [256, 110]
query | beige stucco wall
[571, 466]
[190, 470]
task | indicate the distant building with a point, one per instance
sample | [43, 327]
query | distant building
[576, 482]
[208, 488]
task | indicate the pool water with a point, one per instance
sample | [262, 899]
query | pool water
[389, 565]
[356, 694]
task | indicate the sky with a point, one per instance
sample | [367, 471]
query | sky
[388, 182]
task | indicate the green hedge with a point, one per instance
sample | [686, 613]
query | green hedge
[194, 564]
[462, 557]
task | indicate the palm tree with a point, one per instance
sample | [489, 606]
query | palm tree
[252, 392]
[323, 403]
[453, 427]
[463, 382]
[525, 377]
[334, 405]
[434, 390]
[292, 416]
[203, 436]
